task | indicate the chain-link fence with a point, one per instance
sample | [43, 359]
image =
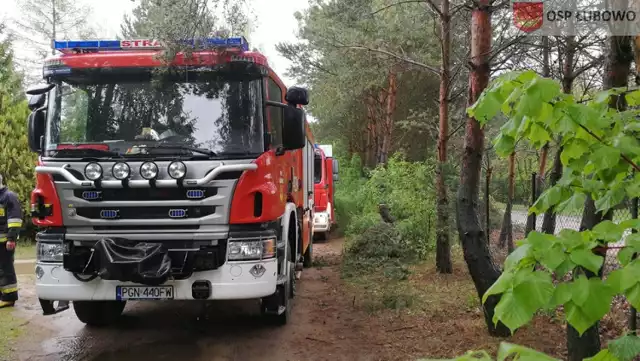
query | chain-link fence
[569, 220]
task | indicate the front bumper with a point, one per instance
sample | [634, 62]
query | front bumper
[231, 281]
[321, 222]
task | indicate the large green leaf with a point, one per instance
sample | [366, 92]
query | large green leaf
[625, 348]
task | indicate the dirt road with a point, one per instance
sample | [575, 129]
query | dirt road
[322, 328]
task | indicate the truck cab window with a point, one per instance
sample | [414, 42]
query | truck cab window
[317, 169]
[275, 113]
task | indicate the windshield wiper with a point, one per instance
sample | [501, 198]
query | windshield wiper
[87, 152]
[204, 151]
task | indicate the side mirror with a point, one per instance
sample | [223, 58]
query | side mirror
[36, 126]
[336, 177]
[293, 131]
[36, 101]
[297, 96]
[40, 89]
[335, 168]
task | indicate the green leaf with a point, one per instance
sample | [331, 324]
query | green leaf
[551, 257]
[561, 295]
[590, 301]
[504, 145]
[603, 355]
[608, 231]
[625, 348]
[587, 259]
[538, 135]
[605, 157]
[502, 284]
[633, 98]
[625, 255]
[518, 254]
[548, 198]
[602, 96]
[573, 149]
[521, 353]
[627, 145]
[486, 107]
[573, 204]
[517, 307]
[611, 198]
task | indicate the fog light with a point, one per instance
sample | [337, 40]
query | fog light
[39, 272]
[148, 170]
[120, 171]
[93, 171]
[257, 270]
[177, 170]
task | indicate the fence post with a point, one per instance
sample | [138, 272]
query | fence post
[487, 205]
[531, 218]
[633, 314]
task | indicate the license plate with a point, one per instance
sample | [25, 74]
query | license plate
[144, 293]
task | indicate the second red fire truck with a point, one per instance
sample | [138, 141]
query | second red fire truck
[325, 174]
[183, 180]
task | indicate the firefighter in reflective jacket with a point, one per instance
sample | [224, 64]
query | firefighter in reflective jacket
[10, 224]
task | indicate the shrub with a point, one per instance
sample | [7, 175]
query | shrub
[17, 162]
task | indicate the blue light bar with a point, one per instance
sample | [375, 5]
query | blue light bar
[67, 46]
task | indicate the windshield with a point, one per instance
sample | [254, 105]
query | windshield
[185, 109]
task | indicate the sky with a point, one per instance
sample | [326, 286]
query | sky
[275, 23]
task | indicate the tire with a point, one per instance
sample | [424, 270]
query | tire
[98, 313]
[308, 255]
[282, 297]
[320, 236]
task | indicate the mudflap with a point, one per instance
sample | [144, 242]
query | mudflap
[51, 308]
[144, 263]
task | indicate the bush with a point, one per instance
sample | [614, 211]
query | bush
[407, 189]
[17, 162]
[381, 246]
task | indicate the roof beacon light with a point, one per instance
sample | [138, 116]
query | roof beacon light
[71, 46]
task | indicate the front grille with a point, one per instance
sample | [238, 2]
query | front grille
[169, 227]
[147, 194]
[145, 212]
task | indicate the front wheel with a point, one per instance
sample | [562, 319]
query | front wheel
[308, 255]
[98, 313]
[277, 307]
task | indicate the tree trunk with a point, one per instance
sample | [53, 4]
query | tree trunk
[549, 218]
[390, 108]
[619, 57]
[443, 246]
[506, 232]
[546, 72]
[476, 251]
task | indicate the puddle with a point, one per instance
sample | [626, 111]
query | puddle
[156, 351]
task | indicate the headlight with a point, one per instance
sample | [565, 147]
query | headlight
[49, 252]
[252, 250]
[177, 170]
[148, 170]
[120, 171]
[93, 171]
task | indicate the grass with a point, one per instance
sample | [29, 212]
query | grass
[439, 316]
[10, 330]
[25, 250]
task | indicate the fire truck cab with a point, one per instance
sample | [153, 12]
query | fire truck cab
[181, 179]
[325, 174]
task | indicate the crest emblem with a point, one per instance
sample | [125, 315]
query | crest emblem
[528, 16]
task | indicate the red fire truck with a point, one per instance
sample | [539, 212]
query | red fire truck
[325, 174]
[188, 179]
